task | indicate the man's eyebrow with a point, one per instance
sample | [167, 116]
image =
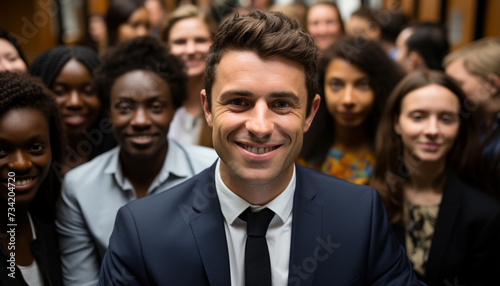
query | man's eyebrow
[279, 94]
[232, 92]
[286, 94]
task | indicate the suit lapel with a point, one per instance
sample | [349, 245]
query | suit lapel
[447, 216]
[306, 230]
[207, 225]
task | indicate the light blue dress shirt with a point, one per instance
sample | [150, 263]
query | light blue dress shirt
[91, 196]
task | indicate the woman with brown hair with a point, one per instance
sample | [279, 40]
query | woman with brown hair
[354, 87]
[126, 19]
[188, 31]
[425, 149]
[324, 23]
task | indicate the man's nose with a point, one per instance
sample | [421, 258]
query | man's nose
[260, 122]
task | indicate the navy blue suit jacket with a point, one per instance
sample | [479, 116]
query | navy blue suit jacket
[340, 236]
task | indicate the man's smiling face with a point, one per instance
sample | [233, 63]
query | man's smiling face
[258, 117]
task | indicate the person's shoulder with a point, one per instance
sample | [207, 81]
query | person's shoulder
[91, 171]
[473, 198]
[333, 189]
[200, 186]
[201, 157]
[325, 181]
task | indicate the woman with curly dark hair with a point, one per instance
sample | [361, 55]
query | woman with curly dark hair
[29, 144]
[356, 76]
[141, 85]
[427, 150]
[68, 72]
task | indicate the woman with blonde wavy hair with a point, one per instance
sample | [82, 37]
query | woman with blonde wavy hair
[476, 67]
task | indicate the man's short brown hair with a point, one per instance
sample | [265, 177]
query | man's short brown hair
[268, 34]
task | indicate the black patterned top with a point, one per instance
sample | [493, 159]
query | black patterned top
[421, 221]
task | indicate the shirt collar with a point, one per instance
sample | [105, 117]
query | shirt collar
[232, 205]
[171, 167]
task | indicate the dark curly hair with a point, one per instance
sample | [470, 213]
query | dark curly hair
[24, 91]
[383, 76]
[141, 53]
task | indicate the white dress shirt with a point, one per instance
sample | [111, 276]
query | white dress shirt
[278, 235]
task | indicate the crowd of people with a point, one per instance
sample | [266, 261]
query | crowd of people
[141, 157]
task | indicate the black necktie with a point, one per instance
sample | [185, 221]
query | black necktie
[257, 262]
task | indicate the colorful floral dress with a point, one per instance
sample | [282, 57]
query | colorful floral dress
[355, 168]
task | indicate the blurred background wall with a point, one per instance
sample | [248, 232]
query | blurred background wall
[41, 24]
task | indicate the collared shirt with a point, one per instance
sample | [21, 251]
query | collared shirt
[185, 127]
[278, 235]
[92, 194]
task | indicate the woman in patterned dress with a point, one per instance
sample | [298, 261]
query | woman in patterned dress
[426, 152]
[356, 76]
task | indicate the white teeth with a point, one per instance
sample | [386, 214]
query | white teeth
[143, 137]
[23, 182]
[258, 150]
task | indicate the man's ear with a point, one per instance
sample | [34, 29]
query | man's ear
[494, 85]
[312, 112]
[206, 108]
[415, 60]
[374, 32]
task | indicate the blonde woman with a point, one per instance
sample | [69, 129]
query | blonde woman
[188, 31]
[477, 69]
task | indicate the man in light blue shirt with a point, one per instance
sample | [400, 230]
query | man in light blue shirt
[141, 103]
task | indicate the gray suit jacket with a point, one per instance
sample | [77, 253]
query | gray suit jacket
[92, 195]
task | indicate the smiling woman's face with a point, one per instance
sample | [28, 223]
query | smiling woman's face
[323, 24]
[78, 103]
[24, 151]
[190, 40]
[10, 60]
[428, 123]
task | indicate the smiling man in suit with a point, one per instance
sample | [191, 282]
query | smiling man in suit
[254, 217]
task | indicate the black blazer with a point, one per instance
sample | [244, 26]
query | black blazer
[340, 236]
[465, 248]
[45, 250]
